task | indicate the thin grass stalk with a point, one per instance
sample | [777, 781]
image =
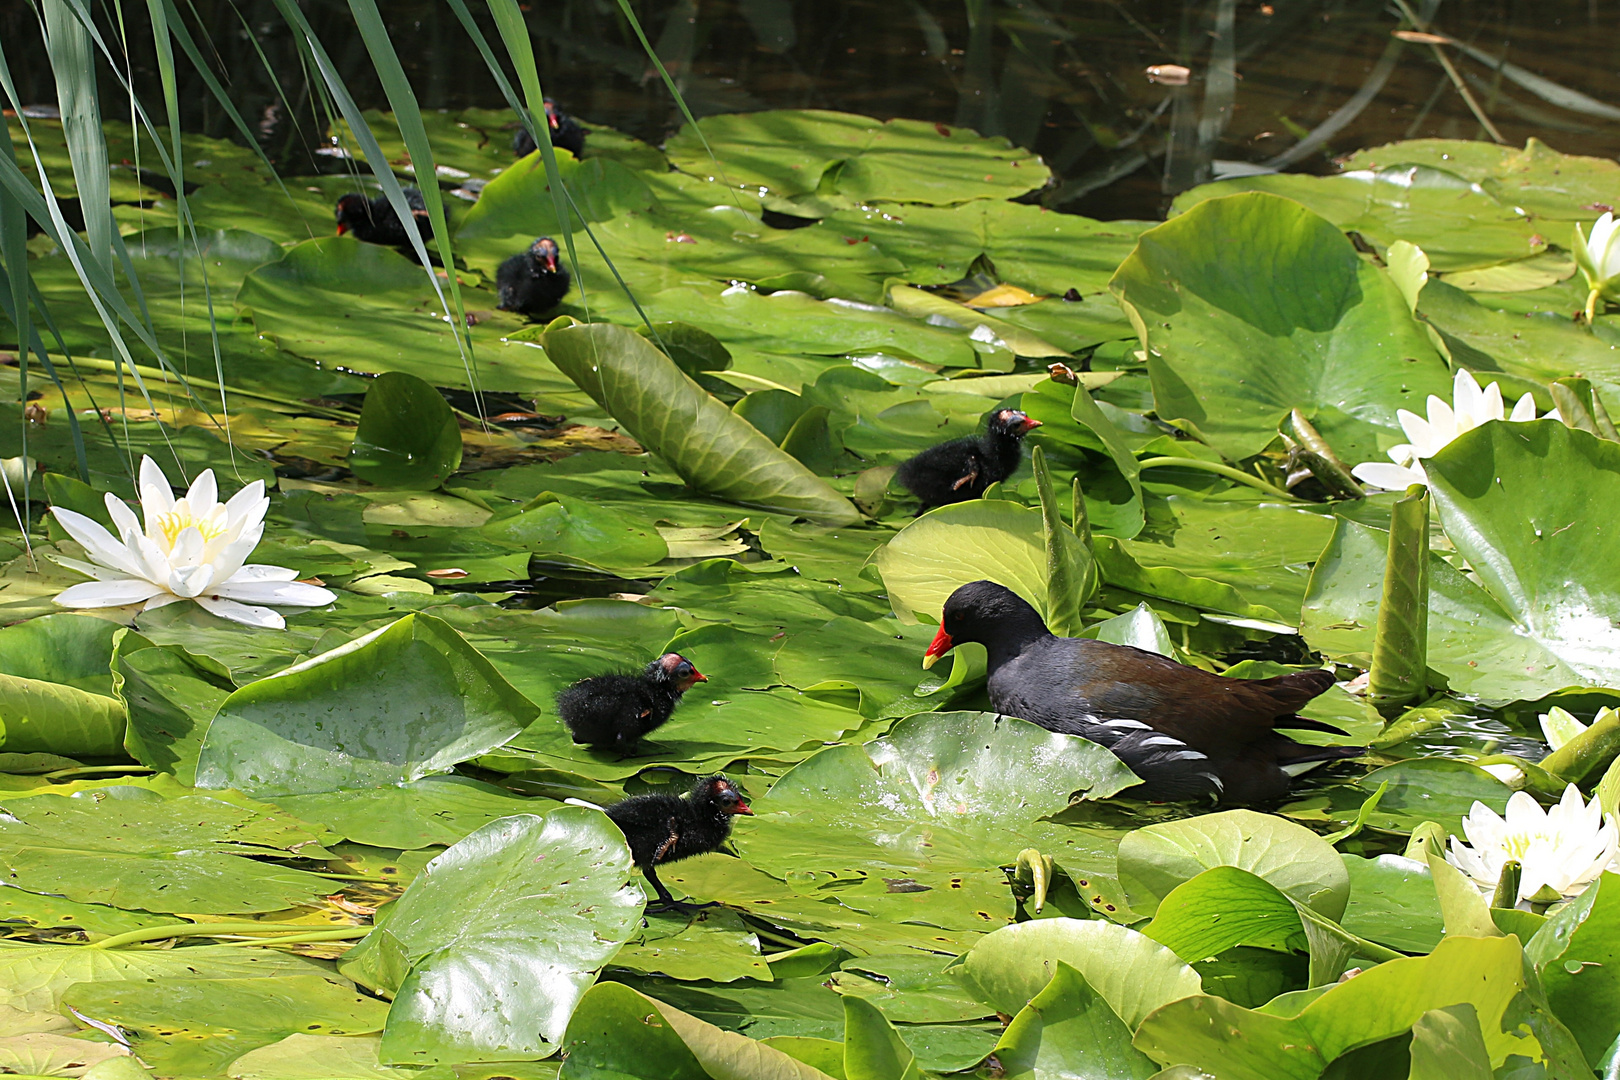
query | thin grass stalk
[517, 106]
[379, 167]
[408, 116]
[520, 50]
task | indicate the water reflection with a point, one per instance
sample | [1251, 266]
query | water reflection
[1270, 84]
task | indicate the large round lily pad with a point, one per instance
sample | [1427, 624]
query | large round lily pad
[1251, 305]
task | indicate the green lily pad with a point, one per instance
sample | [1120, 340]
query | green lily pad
[942, 793]
[1575, 954]
[34, 977]
[1252, 305]
[1380, 1003]
[798, 153]
[367, 308]
[408, 438]
[488, 951]
[1457, 222]
[1392, 901]
[1131, 972]
[1300, 864]
[130, 848]
[395, 705]
[1069, 1027]
[560, 526]
[198, 1026]
[1531, 349]
[425, 812]
[990, 539]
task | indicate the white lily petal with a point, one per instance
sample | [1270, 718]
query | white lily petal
[152, 557]
[203, 494]
[1388, 477]
[261, 572]
[245, 503]
[100, 573]
[188, 548]
[157, 498]
[228, 560]
[1442, 427]
[123, 518]
[97, 542]
[191, 581]
[99, 594]
[162, 600]
[1417, 429]
[1523, 409]
[1490, 407]
[1468, 403]
[1506, 772]
[242, 613]
[293, 593]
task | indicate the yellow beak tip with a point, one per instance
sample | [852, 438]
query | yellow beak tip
[929, 659]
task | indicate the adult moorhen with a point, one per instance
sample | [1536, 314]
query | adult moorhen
[1185, 732]
[565, 133]
[374, 221]
[961, 469]
[531, 282]
[616, 710]
[665, 828]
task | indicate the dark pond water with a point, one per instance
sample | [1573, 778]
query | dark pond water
[1290, 83]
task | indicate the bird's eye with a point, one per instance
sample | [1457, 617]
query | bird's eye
[684, 670]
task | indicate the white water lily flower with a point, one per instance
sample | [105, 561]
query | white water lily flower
[1471, 406]
[1560, 851]
[1560, 727]
[1598, 256]
[192, 548]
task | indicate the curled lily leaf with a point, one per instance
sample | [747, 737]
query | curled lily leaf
[1033, 869]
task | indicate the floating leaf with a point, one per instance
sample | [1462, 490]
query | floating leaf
[392, 706]
[1131, 972]
[130, 848]
[489, 950]
[1251, 306]
[1304, 867]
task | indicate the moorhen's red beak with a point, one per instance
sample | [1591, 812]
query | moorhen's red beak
[742, 808]
[698, 676]
[941, 645]
[342, 228]
[551, 264]
[1028, 426]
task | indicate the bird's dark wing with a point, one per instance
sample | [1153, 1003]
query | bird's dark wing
[674, 827]
[1117, 682]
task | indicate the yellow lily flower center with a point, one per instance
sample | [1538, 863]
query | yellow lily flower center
[178, 520]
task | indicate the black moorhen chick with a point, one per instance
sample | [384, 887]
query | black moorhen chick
[961, 469]
[566, 134]
[665, 828]
[531, 282]
[374, 221]
[1185, 732]
[616, 710]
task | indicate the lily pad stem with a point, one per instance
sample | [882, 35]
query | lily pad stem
[1220, 470]
[221, 929]
[348, 933]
